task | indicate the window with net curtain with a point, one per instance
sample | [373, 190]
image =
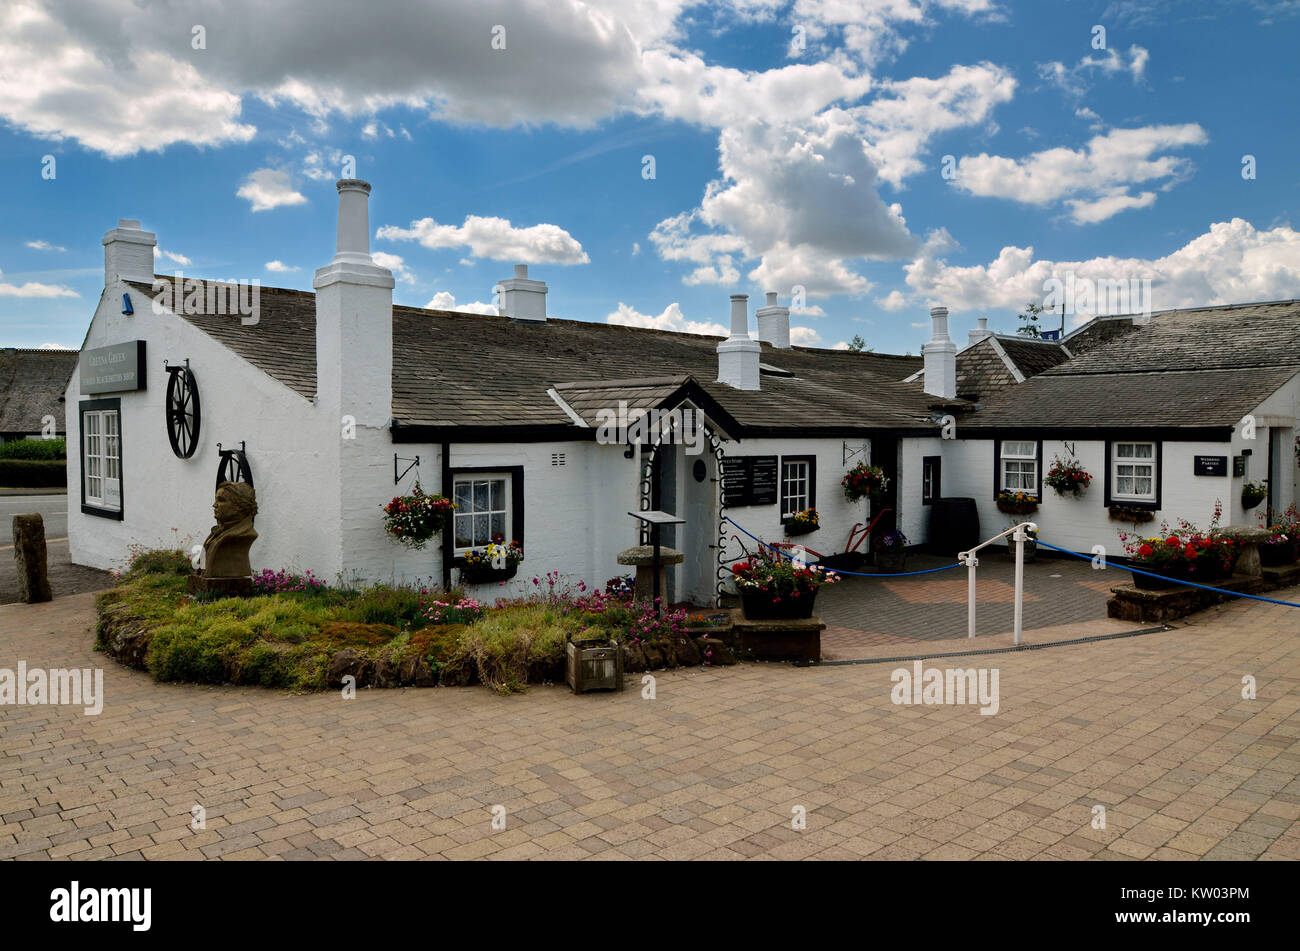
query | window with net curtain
[482, 510]
[1133, 473]
[1020, 467]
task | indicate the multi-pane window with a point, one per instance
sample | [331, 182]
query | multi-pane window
[1020, 467]
[101, 464]
[482, 510]
[1133, 470]
[796, 483]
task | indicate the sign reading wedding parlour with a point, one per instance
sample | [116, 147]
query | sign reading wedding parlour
[113, 369]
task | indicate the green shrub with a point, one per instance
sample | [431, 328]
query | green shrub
[33, 473]
[158, 561]
[513, 642]
[34, 449]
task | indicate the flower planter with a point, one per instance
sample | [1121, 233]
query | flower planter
[799, 528]
[1012, 508]
[891, 561]
[469, 575]
[1275, 555]
[1249, 501]
[844, 561]
[759, 606]
[1172, 577]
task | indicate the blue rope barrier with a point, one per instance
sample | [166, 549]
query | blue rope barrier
[856, 574]
[1190, 584]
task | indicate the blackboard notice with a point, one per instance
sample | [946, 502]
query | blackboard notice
[1210, 466]
[749, 480]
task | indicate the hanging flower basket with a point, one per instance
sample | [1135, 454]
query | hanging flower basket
[864, 481]
[1067, 476]
[801, 523]
[1252, 493]
[1017, 503]
[414, 519]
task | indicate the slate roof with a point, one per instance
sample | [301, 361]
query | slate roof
[460, 370]
[1204, 367]
[32, 384]
[992, 362]
[1033, 357]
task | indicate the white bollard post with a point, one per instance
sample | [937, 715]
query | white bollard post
[1020, 538]
[971, 564]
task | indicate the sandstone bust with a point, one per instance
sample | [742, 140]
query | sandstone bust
[225, 550]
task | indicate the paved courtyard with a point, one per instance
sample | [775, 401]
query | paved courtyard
[1154, 728]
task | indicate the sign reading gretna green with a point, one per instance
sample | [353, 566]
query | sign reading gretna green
[113, 369]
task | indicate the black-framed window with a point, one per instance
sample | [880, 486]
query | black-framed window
[489, 505]
[798, 484]
[1133, 472]
[1018, 466]
[100, 427]
[931, 479]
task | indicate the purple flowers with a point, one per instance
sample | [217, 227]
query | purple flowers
[284, 582]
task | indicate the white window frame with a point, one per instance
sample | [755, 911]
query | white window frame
[506, 510]
[1026, 466]
[101, 451]
[803, 496]
[1134, 462]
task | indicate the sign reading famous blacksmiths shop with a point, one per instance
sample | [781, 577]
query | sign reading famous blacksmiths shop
[749, 480]
[113, 369]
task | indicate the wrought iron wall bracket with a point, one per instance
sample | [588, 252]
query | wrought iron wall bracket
[849, 452]
[414, 464]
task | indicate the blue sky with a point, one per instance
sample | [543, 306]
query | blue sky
[912, 152]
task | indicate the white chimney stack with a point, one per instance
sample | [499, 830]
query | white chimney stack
[774, 323]
[128, 253]
[940, 358]
[981, 333]
[522, 298]
[354, 222]
[738, 354]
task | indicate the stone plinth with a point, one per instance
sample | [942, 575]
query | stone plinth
[199, 583]
[642, 557]
[1248, 538]
[786, 639]
[1130, 603]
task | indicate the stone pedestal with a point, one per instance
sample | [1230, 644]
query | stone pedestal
[788, 639]
[30, 556]
[642, 558]
[199, 583]
[1248, 538]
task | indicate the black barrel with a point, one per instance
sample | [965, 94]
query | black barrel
[954, 526]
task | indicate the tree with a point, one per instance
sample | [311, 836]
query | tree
[858, 345]
[1029, 321]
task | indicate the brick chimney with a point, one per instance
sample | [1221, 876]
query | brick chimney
[940, 358]
[738, 354]
[128, 253]
[774, 323]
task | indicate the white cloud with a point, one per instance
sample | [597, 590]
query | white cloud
[177, 259]
[670, 319]
[279, 267]
[1232, 263]
[396, 264]
[872, 28]
[1094, 181]
[494, 238]
[40, 245]
[269, 188]
[33, 289]
[804, 337]
[893, 302]
[1076, 80]
[445, 300]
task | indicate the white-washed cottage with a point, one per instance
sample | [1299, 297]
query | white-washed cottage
[326, 400]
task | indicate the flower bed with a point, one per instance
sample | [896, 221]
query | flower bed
[300, 634]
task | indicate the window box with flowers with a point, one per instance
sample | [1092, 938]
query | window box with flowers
[416, 518]
[495, 563]
[864, 481]
[801, 523]
[1017, 503]
[890, 551]
[775, 587]
[1067, 476]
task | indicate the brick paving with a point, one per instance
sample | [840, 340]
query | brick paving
[1063, 596]
[1153, 727]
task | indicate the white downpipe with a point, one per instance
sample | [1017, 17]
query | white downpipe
[1019, 534]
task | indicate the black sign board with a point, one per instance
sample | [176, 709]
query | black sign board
[749, 480]
[1210, 466]
[1238, 467]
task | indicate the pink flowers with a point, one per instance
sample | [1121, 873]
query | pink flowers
[284, 582]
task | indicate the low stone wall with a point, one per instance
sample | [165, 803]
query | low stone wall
[795, 639]
[1131, 603]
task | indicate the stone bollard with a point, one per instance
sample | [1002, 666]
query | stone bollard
[29, 553]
